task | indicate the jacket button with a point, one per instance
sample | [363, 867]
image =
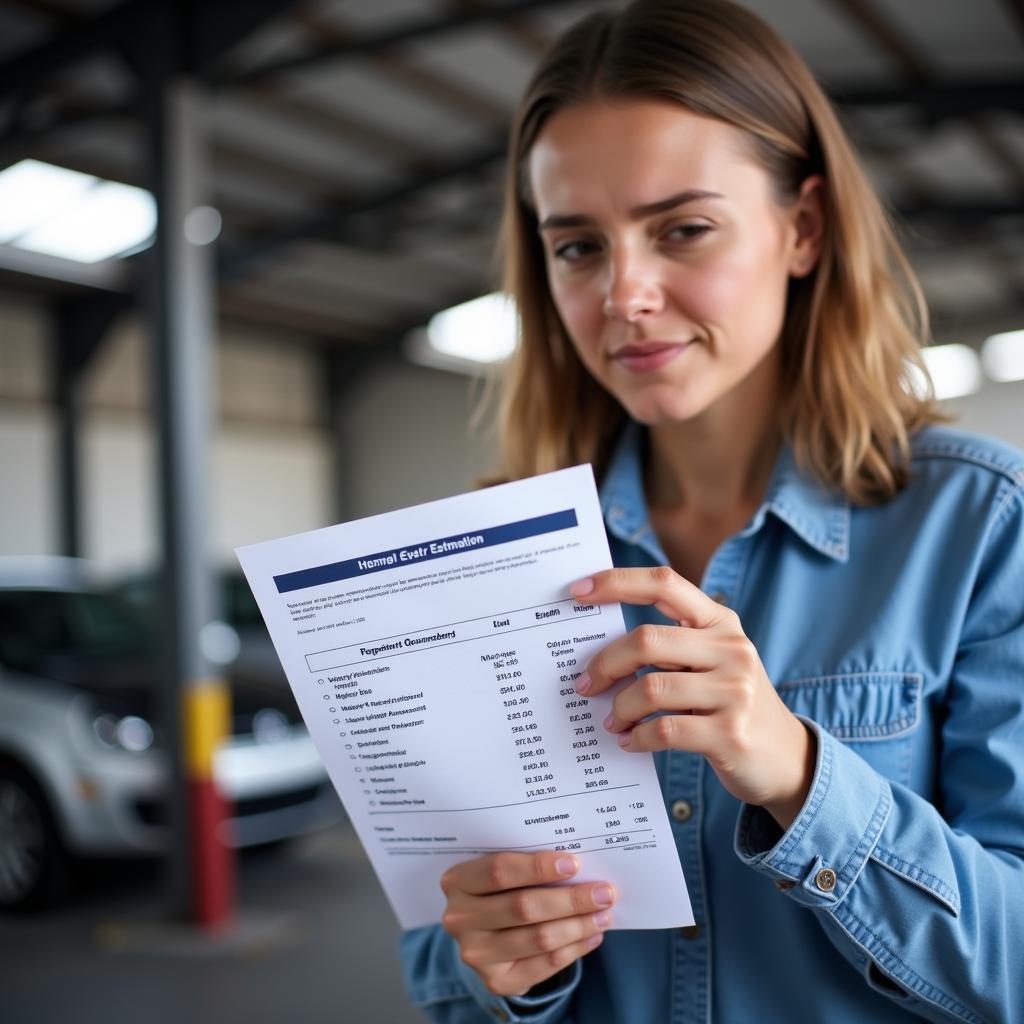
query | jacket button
[825, 879]
[682, 810]
[691, 931]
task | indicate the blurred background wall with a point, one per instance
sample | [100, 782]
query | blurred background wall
[405, 430]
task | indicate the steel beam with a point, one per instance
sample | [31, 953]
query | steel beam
[937, 101]
[204, 31]
[335, 221]
[79, 326]
[23, 74]
[181, 306]
[411, 31]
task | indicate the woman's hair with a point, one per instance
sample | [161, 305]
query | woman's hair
[853, 328]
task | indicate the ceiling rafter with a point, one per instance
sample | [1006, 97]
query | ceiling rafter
[920, 71]
[272, 307]
[209, 30]
[520, 30]
[401, 68]
[330, 221]
[365, 132]
[241, 160]
[935, 100]
[530, 38]
[375, 42]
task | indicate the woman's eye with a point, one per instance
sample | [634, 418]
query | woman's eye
[573, 252]
[687, 232]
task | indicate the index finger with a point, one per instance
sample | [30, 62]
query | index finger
[498, 872]
[659, 585]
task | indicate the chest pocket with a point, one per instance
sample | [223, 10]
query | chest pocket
[873, 713]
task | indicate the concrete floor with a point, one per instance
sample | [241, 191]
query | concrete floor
[316, 944]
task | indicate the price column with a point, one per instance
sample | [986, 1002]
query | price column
[524, 729]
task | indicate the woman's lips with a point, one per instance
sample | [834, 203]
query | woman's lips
[649, 357]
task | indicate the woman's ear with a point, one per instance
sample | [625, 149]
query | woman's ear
[807, 217]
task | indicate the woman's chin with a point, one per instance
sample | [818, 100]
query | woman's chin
[654, 410]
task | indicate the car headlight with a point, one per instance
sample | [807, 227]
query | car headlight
[128, 732]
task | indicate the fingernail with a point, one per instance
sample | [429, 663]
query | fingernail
[602, 920]
[609, 721]
[594, 941]
[566, 865]
[625, 739]
[584, 683]
[603, 896]
[581, 587]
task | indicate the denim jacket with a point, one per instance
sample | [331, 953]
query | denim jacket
[897, 632]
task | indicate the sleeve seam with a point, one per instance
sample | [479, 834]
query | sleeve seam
[1017, 490]
[854, 865]
[439, 993]
[919, 877]
[887, 959]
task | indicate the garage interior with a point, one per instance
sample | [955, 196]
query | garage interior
[269, 375]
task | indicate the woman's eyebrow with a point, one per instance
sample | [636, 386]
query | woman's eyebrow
[575, 220]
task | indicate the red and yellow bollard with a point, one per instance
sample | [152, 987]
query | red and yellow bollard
[207, 723]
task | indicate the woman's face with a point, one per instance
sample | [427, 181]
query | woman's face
[667, 255]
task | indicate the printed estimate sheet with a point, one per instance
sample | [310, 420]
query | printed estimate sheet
[433, 652]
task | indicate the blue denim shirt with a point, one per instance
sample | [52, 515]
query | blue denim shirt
[898, 631]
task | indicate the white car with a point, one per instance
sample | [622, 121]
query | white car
[82, 769]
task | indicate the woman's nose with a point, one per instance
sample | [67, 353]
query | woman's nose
[633, 290]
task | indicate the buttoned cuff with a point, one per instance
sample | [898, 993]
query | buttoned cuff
[821, 855]
[543, 1009]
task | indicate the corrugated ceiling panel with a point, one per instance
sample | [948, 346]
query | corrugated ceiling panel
[961, 36]
[380, 14]
[357, 88]
[952, 158]
[242, 122]
[482, 59]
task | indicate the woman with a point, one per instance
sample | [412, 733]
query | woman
[824, 584]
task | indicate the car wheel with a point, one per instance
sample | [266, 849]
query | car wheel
[33, 865]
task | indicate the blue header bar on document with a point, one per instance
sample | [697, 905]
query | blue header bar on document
[425, 551]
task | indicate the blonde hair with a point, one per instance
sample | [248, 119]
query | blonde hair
[853, 327]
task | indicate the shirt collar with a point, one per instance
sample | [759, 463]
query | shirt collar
[819, 516]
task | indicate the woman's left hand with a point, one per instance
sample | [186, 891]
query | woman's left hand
[709, 690]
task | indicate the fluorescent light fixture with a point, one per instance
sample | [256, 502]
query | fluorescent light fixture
[1002, 356]
[31, 192]
[483, 330]
[74, 216]
[955, 371]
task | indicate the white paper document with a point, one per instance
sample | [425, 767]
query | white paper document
[433, 652]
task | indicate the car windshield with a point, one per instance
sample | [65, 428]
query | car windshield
[238, 606]
[36, 624]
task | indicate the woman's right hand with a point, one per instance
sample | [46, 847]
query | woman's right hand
[515, 928]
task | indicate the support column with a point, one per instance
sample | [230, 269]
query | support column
[196, 706]
[343, 368]
[68, 397]
[79, 327]
[332, 390]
